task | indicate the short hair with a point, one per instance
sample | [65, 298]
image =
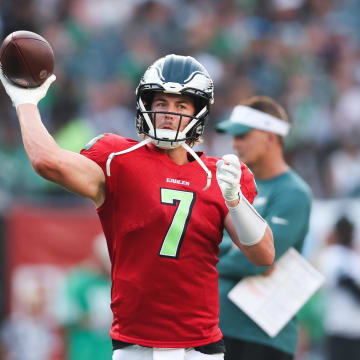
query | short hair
[344, 231]
[267, 105]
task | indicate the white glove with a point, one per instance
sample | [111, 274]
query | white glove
[228, 174]
[19, 95]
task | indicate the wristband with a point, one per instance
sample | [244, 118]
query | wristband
[249, 225]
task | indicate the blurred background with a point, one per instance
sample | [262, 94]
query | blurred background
[303, 53]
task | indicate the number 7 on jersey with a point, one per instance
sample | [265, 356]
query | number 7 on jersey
[185, 201]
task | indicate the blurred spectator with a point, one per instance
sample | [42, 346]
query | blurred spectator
[340, 263]
[104, 111]
[30, 332]
[84, 307]
[343, 169]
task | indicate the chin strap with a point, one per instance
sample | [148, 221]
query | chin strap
[146, 141]
[112, 155]
[197, 158]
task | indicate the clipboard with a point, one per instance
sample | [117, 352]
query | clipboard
[271, 301]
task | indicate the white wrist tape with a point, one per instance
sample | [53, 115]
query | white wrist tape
[249, 225]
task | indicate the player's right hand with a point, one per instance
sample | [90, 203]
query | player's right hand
[19, 95]
[228, 174]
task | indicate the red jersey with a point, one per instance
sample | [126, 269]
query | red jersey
[163, 233]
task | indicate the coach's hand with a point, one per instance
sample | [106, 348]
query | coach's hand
[228, 174]
[19, 95]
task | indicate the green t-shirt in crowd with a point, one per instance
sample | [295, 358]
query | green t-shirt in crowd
[285, 203]
[84, 310]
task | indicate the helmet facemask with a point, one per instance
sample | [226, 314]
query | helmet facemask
[147, 122]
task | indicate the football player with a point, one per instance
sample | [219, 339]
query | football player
[162, 217]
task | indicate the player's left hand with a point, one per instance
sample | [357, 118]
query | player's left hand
[19, 95]
[228, 174]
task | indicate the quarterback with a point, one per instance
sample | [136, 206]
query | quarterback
[163, 208]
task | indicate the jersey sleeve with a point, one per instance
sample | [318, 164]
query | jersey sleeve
[98, 149]
[248, 184]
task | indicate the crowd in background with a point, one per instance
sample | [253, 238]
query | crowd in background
[304, 53]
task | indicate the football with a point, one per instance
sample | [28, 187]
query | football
[27, 59]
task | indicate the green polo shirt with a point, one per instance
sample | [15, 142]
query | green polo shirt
[285, 203]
